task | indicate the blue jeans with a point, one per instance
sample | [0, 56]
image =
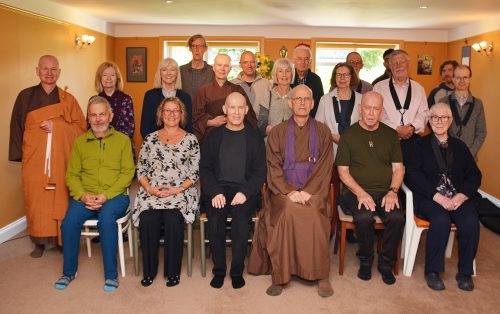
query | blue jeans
[71, 228]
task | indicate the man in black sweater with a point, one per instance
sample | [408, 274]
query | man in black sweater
[232, 172]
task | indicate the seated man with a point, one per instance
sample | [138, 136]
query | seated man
[370, 165]
[294, 232]
[232, 172]
[100, 169]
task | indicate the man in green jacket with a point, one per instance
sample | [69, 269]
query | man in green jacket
[101, 168]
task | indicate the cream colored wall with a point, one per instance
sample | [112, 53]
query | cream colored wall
[484, 85]
[24, 39]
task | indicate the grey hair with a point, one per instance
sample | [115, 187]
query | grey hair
[99, 100]
[305, 48]
[397, 53]
[440, 105]
[282, 63]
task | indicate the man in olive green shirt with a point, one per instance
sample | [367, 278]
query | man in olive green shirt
[100, 170]
[370, 165]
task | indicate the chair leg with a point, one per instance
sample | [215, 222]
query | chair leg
[337, 238]
[342, 248]
[120, 250]
[412, 251]
[129, 233]
[190, 249]
[474, 268]
[135, 239]
[89, 248]
[202, 251]
[449, 246]
[403, 244]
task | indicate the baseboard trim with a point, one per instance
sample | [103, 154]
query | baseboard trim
[493, 199]
[16, 227]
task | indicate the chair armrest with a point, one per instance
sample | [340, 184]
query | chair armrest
[409, 202]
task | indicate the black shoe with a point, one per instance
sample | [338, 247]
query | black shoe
[434, 281]
[147, 281]
[96, 239]
[387, 275]
[464, 282]
[173, 281]
[217, 282]
[238, 282]
[365, 272]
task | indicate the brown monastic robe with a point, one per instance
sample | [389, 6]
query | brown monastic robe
[45, 209]
[208, 102]
[293, 239]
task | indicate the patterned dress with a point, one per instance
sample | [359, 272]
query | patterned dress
[168, 164]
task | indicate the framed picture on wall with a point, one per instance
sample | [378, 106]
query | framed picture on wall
[424, 66]
[466, 55]
[137, 69]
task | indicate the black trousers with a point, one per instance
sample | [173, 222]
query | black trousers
[364, 221]
[467, 222]
[240, 228]
[150, 232]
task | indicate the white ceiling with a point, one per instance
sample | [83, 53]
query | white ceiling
[441, 14]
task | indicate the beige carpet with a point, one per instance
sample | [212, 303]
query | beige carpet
[26, 286]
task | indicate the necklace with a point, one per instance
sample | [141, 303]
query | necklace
[167, 138]
[370, 141]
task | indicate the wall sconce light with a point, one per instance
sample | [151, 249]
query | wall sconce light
[84, 41]
[483, 47]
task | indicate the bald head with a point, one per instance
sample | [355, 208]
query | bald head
[370, 109]
[222, 67]
[48, 71]
[235, 108]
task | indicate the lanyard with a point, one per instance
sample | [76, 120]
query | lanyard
[395, 98]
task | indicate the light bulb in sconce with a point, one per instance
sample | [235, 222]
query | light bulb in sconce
[84, 40]
[483, 47]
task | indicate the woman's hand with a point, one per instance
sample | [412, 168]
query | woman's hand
[444, 201]
[458, 200]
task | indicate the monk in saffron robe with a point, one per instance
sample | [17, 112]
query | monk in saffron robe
[45, 121]
[294, 232]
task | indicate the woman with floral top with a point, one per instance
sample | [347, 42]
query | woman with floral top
[167, 169]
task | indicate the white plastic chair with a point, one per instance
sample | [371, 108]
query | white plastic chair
[90, 230]
[413, 231]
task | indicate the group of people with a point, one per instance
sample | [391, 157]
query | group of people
[234, 136]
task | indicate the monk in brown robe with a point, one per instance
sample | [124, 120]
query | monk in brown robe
[208, 102]
[45, 121]
[293, 236]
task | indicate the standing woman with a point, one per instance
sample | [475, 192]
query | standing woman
[339, 108]
[276, 109]
[168, 169]
[109, 84]
[167, 84]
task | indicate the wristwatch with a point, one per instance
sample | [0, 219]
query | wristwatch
[394, 189]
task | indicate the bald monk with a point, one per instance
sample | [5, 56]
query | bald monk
[293, 236]
[45, 122]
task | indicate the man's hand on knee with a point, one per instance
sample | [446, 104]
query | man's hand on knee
[239, 199]
[364, 199]
[219, 201]
[390, 201]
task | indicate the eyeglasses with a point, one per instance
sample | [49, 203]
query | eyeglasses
[198, 46]
[306, 60]
[355, 62]
[299, 100]
[248, 62]
[461, 78]
[343, 75]
[440, 118]
[398, 63]
[169, 112]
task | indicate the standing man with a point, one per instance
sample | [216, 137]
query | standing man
[355, 60]
[208, 102]
[370, 165]
[387, 74]
[256, 87]
[99, 172]
[302, 58]
[197, 72]
[469, 123]
[232, 172]
[446, 87]
[405, 103]
[45, 122]
[294, 232]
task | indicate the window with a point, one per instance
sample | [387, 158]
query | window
[328, 54]
[180, 52]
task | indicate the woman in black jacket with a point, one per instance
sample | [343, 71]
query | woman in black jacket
[444, 179]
